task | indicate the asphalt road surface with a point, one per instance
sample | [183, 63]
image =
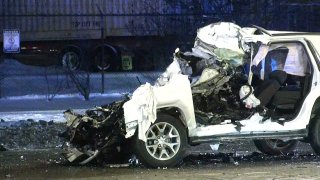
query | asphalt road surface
[49, 164]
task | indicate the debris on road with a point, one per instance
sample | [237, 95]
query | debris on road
[98, 133]
[118, 165]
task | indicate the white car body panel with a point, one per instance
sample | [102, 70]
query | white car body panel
[171, 90]
[176, 92]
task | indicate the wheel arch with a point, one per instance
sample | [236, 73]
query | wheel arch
[176, 113]
[314, 127]
[315, 113]
[316, 108]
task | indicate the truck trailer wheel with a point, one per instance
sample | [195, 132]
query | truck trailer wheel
[275, 146]
[165, 144]
[71, 59]
[106, 59]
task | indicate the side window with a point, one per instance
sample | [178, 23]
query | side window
[275, 60]
[289, 57]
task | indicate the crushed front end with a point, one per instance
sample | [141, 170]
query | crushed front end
[98, 133]
[205, 86]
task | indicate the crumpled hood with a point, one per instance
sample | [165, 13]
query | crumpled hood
[226, 35]
[222, 40]
[221, 35]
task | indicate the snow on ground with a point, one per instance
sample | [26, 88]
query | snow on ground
[11, 67]
[63, 96]
[19, 80]
[26, 91]
[49, 115]
[38, 108]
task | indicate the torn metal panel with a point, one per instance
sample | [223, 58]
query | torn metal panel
[206, 75]
[220, 35]
[216, 89]
[197, 52]
[141, 108]
[93, 134]
[176, 93]
[221, 54]
[227, 41]
[235, 59]
[221, 40]
[174, 68]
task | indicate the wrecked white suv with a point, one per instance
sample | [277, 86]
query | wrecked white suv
[236, 83]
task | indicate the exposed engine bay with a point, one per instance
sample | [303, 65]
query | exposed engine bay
[216, 90]
[217, 70]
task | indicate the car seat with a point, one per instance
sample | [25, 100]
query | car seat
[270, 86]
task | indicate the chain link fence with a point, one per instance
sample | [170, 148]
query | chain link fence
[19, 80]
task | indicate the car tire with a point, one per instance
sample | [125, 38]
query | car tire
[275, 146]
[110, 59]
[166, 143]
[314, 134]
[71, 59]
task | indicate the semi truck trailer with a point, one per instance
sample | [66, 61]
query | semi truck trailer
[98, 35]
